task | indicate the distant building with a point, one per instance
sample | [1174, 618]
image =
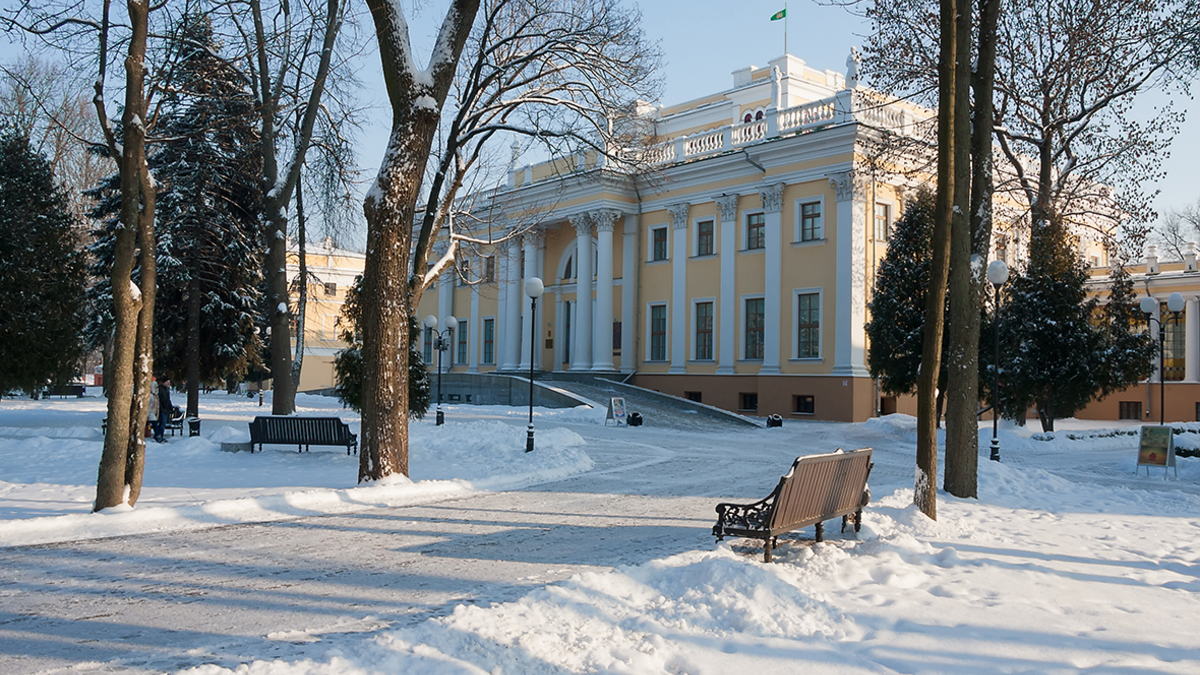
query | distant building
[331, 272]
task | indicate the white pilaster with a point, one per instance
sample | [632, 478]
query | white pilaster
[531, 242]
[851, 294]
[602, 346]
[445, 309]
[1155, 330]
[560, 334]
[512, 308]
[1191, 340]
[473, 331]
[727, 304]
[679, 329]
[581, 356]
[629, 268]
[772, 199]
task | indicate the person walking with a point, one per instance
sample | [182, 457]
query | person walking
[152, 411]
[164, 409]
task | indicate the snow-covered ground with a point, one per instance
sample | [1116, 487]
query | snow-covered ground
[590, 555]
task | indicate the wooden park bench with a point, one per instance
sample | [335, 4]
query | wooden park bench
[816, 489]
[302, 432]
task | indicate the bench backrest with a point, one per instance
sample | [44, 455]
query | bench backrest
[291, 429]
[821, 487]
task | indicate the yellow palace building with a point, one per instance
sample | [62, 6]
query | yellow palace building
[736, 272]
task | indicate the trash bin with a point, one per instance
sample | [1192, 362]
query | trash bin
[634, 419]
[193, 426]
[774, 421]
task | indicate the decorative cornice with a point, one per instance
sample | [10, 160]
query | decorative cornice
[582, 223]
[535, 237]
[679, 214]
[772, 198]
[728, 204]
[604, 219]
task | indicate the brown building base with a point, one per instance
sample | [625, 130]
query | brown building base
[838, 399]
[1181, 403]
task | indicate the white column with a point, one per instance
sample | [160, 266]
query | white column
[679, 323]
[726, 307]
[602, 346]
[530, 240]
[512, 307]
[1191, 340]
[850, 339]
[772, 199]
[473, 331]
[445, 309]
[560, 334]
[581, 356]
[629, 271]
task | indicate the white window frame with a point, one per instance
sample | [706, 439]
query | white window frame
[715, 329]
[795, 338]
[482, 323]
[696, 236]
[650, 242]
[745, 230]
[741, 318]
[798, 224]
[650, 331]
[891, 216]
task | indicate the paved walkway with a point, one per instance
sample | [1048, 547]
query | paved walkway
[290, 589]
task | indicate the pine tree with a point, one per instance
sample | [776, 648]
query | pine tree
[42, 273]
[209, 253]
[1050, 349]
[1128, 355]
[897, 327]
[348, 362]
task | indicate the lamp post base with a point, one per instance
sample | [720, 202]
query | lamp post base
[995, 457]
[529, 440]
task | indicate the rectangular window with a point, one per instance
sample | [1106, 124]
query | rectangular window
[749, 401]
[489, 269]
[1130, 410]
[808, 325]
[756, 231]
[616, 337]
[704, 331]
[803, 404]
[330, 289]
[463, 267]
[489, 341]
[693, 396]
[704, 237]
[429, 338]
[1174, 350]
[882, 221]
[810, 222]
[755, 308]
[462, 343]
[658, 333]
[658, 249]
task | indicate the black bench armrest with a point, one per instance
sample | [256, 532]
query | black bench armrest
[744, 516]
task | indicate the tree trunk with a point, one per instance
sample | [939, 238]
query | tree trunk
[387, 294]
[283, 395]
[962, 395]
[193, 346]
[302, 290]
[122, 457]
[925, 486]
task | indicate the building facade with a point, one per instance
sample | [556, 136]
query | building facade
[735, 272]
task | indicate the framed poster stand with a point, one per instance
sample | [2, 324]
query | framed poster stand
[616, 412]
[1156, 447]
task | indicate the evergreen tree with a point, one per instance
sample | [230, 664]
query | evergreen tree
[42, 272]
[1052, 353]
[348, 362]
[1128, 355]
[897, 327]
[209, 247]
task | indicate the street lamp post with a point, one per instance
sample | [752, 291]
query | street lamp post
[534, 289]
[440, 344]
[997, 274]
[1175, 306]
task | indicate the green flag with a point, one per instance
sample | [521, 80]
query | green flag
[779, 15]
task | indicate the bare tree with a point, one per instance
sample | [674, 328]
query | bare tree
[1177, 228]
[123, 458]
[559, 73]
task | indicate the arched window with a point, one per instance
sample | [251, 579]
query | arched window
[748, 118]
[568, 272]
[758, 115]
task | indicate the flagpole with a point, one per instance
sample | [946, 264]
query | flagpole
[785, 18]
